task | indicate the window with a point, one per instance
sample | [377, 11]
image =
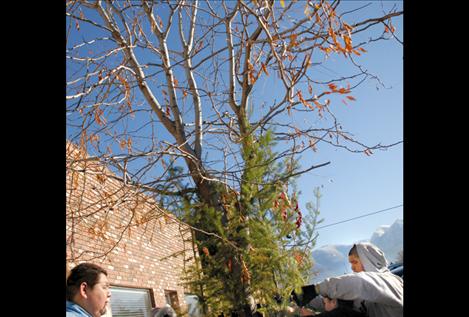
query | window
[130, 302]
[172, 298]
[193, 305]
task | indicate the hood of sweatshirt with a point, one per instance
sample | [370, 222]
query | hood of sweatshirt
[372, 257]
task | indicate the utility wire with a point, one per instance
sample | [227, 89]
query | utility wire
[372, 213]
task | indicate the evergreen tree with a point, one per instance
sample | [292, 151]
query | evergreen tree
[265, 232]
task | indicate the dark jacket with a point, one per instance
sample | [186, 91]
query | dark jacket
[344, 309]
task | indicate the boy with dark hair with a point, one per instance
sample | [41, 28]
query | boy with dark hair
[87, 291]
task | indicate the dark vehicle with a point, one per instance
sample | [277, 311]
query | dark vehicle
[397, 269]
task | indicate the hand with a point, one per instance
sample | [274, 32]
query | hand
[306, 312]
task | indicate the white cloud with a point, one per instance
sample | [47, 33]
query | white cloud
[390, 239]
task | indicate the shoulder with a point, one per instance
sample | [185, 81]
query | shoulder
[72, 313]
[74, 310]
[346, 278]
[380, 275]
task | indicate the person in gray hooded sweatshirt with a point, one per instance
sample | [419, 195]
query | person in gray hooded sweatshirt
[372, 287]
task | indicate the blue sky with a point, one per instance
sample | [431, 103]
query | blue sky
[353, 184]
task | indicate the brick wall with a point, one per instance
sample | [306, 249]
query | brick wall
[123, 230]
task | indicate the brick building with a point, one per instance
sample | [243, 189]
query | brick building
[118, 227]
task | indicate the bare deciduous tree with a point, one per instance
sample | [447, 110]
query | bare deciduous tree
[171, 96]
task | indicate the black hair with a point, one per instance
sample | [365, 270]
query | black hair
[84, 272]
[353, 251]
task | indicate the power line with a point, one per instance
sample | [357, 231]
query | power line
[372, 213]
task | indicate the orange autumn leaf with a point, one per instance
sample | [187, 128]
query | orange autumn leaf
[347, 27]
[293, 41]
[285, 199]
[264, 69]
[97, 116]
[312, 144]
[332, 87]
[205, 251]
[351, 98]
[303, 101]
[249, 64]
[252, 77]
[298, 257]
[362, 49]
[101, 178]
[199, 45]
[300, 96]
[332, 34]
[122, 144]
[318, 19]
[348, 43]
[297, 131]
[343, 91]
[160, 22]
[129, 144]
[356, 52]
